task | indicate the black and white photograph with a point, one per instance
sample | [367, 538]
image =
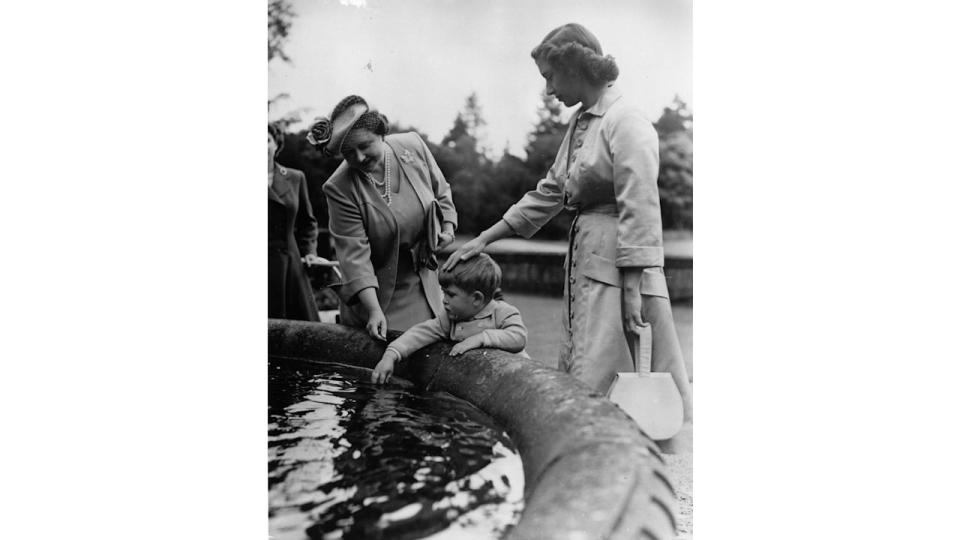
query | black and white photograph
[475, 317]
[480, 269]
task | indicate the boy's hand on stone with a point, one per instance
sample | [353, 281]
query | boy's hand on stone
[472, 342]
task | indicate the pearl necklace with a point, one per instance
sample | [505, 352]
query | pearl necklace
[387, 194]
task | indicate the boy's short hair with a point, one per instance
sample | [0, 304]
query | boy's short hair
[478, 273]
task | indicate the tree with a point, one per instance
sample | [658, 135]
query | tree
[468, 131]
[467, 167]
[675, 180]
[675, 118]
[280, 17]
[543, 143]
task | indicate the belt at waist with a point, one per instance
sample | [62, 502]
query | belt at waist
[607, 209]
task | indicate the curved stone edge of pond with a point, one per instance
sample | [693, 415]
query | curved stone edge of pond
[589, 471]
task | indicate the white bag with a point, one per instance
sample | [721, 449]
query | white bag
[651, 399]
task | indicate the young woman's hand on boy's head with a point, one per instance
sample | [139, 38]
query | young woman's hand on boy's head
[466, 251]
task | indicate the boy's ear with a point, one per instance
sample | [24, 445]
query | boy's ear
[477, 296]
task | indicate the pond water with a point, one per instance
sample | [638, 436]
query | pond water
[348, 459]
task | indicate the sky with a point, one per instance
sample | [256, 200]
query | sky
[417, 60]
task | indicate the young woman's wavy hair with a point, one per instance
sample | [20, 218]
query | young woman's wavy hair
[575, 49]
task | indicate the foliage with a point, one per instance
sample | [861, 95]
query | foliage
[483, 188]
[468, 129]
[543, 143]
[675, 118]
[466, 166]
[280, 17]
[675, 128]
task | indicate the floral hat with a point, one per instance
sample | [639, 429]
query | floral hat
[329, 135]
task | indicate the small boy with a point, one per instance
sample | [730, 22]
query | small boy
[474, 317]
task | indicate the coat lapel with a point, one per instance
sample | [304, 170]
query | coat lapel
[568, 139]
[407, 169]
[563, 154]
[278, 191]
[368, 193]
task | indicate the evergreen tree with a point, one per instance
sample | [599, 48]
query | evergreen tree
[675, 118]
[675, 180]
[544, 141]
[280, 17]
[468, 131]
[467, 168]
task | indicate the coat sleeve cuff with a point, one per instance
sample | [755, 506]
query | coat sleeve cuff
[349, 289]
[642, 256]
[402, 348]
[520, 224]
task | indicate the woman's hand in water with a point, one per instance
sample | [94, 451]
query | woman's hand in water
[384, 369]
[466, 251]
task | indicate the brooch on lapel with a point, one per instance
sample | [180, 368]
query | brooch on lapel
[406, 156]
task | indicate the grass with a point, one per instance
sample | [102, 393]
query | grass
[542, 315]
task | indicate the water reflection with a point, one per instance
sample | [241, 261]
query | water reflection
[350, 460]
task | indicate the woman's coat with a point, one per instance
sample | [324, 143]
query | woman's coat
[606, 170]
[291, 234]
[364, 229]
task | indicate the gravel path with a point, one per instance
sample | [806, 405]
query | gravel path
[680, 470]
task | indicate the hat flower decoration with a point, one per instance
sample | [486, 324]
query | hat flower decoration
[320, 132]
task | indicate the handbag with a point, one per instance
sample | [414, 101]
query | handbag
[425, 251]
[651, 399]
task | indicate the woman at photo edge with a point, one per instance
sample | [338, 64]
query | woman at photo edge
[291, 237]
[606, 171]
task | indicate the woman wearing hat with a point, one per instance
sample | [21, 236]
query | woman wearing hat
[606, 171]
[291, 234]
[390, 211]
